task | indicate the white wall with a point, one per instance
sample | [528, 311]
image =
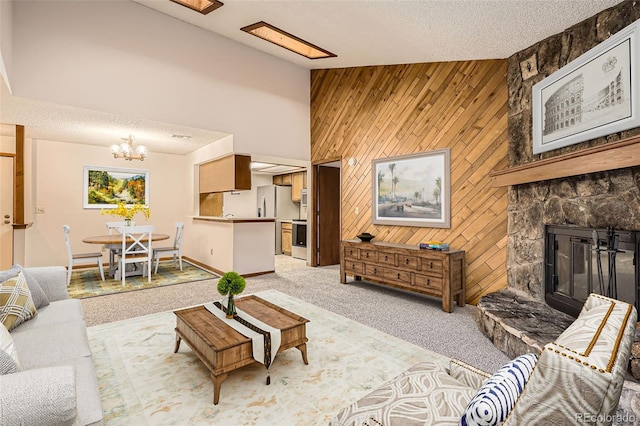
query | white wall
[58, 179]
[6, 40]
[121, 57]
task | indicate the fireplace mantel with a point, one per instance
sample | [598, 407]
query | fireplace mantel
[610, 156]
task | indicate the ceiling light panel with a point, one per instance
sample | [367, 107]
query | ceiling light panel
[202, 6]
[288, 41]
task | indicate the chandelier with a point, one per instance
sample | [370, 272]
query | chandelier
[125, 150]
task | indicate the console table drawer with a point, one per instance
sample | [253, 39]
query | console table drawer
[351, 253]
[368, 255]
[387, 258]
[356, 267]
[399, 277]
[408, 261]
[428, 282]
[432, 267]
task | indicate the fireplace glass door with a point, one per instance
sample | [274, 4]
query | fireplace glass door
[576, 266]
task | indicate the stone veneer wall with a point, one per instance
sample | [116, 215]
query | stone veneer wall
[596, 200]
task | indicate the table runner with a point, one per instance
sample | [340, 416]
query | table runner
[265, 339]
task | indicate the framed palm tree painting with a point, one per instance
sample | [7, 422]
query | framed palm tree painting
[413, 190]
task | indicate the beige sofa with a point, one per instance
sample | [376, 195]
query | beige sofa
[56, 384]
[577, 380]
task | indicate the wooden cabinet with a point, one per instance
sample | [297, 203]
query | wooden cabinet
[229, 173]
[297, 184]
[430, 272]
[286, 238]
[304, 180]
[277, 179]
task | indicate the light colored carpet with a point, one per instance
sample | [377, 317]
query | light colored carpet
[87, 282]
[411, 317]
[143, 382]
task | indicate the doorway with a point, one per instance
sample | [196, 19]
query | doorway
[326, 204]
[6, 211]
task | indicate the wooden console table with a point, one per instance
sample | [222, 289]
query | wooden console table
[430, 272]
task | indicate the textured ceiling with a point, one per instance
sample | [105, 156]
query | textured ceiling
[383, 32]
[359, 32]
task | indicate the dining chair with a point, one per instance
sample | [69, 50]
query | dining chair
[175, 250]
[115, 226]
[136, 248]
[79, 258]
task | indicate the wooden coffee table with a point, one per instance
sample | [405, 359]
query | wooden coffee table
[222, 349]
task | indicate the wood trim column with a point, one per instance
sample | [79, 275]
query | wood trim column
[18, 178]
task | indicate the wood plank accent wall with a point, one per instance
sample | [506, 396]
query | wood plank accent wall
[385, 111]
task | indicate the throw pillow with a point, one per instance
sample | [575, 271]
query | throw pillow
[16, 304]
[40, 298]
[37, 293]
[6, 343]
[495, 399]
[7, 364]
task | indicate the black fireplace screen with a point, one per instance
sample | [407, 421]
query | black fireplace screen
[575, 266]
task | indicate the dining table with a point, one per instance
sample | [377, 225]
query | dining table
[113, 242]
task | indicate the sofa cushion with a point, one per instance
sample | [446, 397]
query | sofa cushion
[495, 399]
[61, 311]
[7, 364]
[16, 304]
[44, 346]
[409, 399]
[6, 343]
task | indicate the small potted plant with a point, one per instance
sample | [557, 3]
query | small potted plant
[231, 283]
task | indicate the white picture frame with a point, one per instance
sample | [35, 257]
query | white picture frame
[595, 95]
[413, 190]
[109, 194]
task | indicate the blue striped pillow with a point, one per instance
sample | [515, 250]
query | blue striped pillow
[491, 405]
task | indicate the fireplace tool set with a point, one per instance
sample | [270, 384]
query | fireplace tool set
[612, 250]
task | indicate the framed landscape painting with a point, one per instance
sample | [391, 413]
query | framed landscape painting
[104, 187]
[413, 190]
[595, 95]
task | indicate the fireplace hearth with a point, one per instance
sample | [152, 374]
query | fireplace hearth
[580, 261]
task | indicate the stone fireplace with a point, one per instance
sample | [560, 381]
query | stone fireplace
[583, 186]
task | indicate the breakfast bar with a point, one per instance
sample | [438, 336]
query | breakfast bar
[243, 245]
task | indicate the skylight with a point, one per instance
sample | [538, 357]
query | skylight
[202, 6]
[288, 41]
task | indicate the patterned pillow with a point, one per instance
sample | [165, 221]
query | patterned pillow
[38, 295]
[7, 364]
[16, 304]
[491, 405]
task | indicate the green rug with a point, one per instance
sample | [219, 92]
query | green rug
[87, 282]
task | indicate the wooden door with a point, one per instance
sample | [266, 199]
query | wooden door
[327, 208]
[6, 212]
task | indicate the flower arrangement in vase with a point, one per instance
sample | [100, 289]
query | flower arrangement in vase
[127, 212]
[231, 283]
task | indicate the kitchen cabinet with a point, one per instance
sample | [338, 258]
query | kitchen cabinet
[407, 267]
[304, 180]
[284, 179]
[286, 238]
[230, 173]
[297, 184]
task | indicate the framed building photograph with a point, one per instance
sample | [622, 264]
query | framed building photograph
[104, 187]
[595, 95]
[413, 190]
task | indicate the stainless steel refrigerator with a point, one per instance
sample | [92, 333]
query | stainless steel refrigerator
[275, 201]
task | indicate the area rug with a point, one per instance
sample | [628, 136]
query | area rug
[87, 282]
[143, 382]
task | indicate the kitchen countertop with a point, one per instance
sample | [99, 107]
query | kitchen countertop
[234, 219]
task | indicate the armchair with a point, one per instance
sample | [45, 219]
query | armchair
[578, 378]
